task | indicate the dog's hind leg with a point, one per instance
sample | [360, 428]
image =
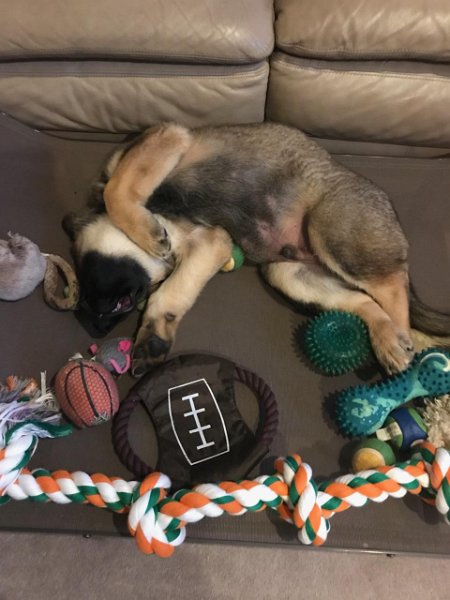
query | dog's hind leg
[140, 170]
[206, 251]
[313, 284]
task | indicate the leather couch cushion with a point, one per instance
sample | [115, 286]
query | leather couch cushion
[397, 102]
[234, 31]
[124, 97]
[364, 29]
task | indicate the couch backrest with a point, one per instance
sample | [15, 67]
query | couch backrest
[370, 70]
[110, 65]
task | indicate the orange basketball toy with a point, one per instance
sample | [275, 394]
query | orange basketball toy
[86, 392]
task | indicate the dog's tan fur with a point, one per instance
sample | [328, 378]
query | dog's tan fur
[202, 253]
[345, 247]
[135, 177]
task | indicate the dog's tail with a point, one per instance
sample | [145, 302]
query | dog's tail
[430, 327]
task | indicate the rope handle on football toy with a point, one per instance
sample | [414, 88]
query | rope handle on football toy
[158, 522]
[265, 433]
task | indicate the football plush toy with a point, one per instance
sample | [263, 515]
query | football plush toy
[86, 393]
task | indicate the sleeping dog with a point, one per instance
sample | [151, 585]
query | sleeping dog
[169, 206]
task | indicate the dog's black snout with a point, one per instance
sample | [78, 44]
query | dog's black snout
[157, 346]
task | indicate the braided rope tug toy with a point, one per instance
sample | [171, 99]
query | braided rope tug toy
[158, 521]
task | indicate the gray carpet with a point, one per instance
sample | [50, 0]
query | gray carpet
[37, 566]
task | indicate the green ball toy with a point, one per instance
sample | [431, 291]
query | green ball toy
[337, 342]
[371, 454]
[236, 260]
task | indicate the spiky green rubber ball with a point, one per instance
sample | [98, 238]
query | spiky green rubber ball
[337, 342]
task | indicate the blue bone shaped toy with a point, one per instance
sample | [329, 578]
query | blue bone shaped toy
[363, 409]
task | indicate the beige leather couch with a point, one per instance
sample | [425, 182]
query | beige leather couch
[368, 78]
[365, 70]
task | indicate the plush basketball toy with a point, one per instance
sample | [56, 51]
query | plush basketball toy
[86, 393]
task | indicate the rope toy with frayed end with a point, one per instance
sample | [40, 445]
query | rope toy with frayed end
[158, 521]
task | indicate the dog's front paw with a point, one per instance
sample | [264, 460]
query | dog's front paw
[148, 354]
[392, 346]
[158, 243]
[149, 350]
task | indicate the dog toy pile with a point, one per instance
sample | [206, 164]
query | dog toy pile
[337, 342]
[362, 410]
[158, 521]
[23, 267]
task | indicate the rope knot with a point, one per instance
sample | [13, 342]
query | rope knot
[145, 522]
[302, 506]
[437, 465]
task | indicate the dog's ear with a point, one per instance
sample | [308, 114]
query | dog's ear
[73, 223]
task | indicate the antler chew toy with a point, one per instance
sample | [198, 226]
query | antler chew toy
[362, 410]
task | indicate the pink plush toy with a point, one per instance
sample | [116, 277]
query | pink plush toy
[114, 355]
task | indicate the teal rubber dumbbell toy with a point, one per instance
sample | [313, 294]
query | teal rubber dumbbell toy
[362, 410]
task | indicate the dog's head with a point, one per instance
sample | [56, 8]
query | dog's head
[114, 274]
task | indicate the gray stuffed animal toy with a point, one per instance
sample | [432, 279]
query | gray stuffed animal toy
[22, 267]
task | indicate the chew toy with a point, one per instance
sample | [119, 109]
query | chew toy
[436, 416]
[372, 454]
[337, 342]
[158, 521]
[403, 428]
[361, 410]
[236, 260]
[58, 267]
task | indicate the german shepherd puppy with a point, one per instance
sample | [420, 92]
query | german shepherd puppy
[169, 205]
